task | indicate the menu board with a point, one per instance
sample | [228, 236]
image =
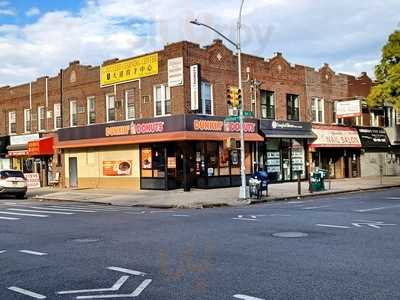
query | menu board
[274, 162]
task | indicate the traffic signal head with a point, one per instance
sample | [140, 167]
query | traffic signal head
[234, 97]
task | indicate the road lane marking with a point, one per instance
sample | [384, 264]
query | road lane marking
[245, 297]
[120, 282]
[22, 214]
[393, 198]
[180, 215]
[333, 226]
[26, 292]
[141, 288]
[127, 271]
[244, 219]
[279, 215]
[63, 208]
[315, 207]
[41, 211]
[32, 252]
[377, 208]
[8, 218]
[3, 251]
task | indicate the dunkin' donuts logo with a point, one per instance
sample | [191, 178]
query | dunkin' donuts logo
[134, 129]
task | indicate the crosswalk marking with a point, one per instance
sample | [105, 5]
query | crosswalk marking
[9, 218]
[41, 211]
[23, 214]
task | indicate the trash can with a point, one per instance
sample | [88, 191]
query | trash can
[317, 183]
[258, 183]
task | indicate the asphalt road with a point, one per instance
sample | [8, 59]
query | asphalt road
[49, 250]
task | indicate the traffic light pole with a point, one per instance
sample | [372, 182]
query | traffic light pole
[242, 193]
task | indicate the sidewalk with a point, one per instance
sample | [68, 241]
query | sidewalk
[206, 198]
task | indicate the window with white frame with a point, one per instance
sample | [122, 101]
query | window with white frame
[57, 116]
[318, 110]
[91, 110]
[27, 120]
[110, 108]
[130, 104]
[73, 113]
[162, 100]
[12, 122]
[206, 107]
[41, 118]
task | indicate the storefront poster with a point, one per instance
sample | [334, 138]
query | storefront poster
[172, 162]
[373, 137]
[32, 180]
[146, 158]
[117, 168]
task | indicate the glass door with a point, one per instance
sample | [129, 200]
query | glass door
[286, 160]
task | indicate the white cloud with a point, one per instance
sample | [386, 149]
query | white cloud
[348, 35]
[34, 11]
[7, 12]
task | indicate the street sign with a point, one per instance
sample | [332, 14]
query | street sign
[248, 114]
[232, 119]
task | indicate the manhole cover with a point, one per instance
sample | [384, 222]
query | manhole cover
[290, 234]
[86, 240]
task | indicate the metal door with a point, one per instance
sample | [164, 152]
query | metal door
[73, 172]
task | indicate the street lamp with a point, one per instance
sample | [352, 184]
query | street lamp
[237, 45]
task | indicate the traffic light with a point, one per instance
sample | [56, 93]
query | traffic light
[234, 97]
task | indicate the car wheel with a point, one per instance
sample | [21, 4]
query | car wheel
[20, 196]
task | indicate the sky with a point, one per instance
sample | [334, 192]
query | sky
[37, 38]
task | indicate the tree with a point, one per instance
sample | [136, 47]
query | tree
[387, 74]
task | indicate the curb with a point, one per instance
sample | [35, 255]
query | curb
[223, 204]
[319, 194]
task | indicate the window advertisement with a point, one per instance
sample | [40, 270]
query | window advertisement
[348, 109]
[298, 158]
[273, 159]
[117, 168]
[146, 162]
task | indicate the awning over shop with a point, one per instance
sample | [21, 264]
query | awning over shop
[17, 150]
[287, 129]
[335, 137]
[41, 147]
[165, 129]
[373, 138]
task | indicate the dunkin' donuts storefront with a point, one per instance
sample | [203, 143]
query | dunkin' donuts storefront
[185, 151]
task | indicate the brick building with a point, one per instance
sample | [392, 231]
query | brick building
[89, 120]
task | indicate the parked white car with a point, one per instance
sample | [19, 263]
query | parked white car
[13, 182]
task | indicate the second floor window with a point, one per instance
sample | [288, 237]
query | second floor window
[41, 118]
[292, 107]
[389, 116]
[110, 103]
[57, 116]
[130, 104]
[27, 120]
[267, 105]
[162, 100]
[12, 122]
[206, 107]
[91, 110]
[73, 113]
[318, 111]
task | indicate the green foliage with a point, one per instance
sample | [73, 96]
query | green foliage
[387, 74]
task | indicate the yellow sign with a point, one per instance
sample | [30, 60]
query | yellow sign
[129, 70]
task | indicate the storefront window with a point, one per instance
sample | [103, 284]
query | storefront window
[212, 159]
[298, 158]
[273, 160]
[153, 161]
[158, 161]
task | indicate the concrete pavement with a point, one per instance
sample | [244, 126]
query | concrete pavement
[207, 198]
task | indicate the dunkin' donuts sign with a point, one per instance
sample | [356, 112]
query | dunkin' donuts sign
[220, 126]
[135, 129]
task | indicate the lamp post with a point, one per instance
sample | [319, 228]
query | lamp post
[237, 45]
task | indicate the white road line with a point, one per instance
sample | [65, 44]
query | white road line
[127, 271]
[333, 226]
[245, 297]
[3, 251]
[135, 293]
[377, 208]
[42, 211]
[279, 215]
[26, 292]
[295, 202]
[120, 282]
[8, 218]
[32, 252]
[96, 208]
[393, 198]
[180, 215]
[61, 208]
[315, 207]
[245, 219]
[21, 214]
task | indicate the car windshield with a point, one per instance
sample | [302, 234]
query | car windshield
[7, 174]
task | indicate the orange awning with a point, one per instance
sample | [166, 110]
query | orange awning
[157, 138]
